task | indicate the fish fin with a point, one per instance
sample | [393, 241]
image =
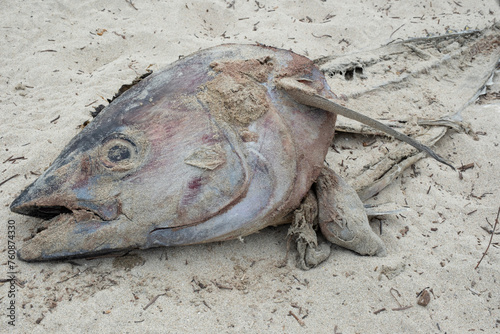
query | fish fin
[303, 94]
[303, 231]
[342, 217]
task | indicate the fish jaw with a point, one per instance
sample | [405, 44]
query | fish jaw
[71, 227]
[76, 222]
[80, 234]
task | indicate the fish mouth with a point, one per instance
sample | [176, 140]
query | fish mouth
[72, 227]
[45, 212]
[63, 233]
[54, 218]
[51, 213]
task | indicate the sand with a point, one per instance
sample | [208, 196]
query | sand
[60, 59]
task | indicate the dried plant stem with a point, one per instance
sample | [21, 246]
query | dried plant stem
[491, 238]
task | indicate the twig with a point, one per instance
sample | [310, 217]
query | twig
[302, 323]
[491, 238]
[153, 301]
[402, 308]
[205, 303]
[399, 295]
[117, 34]
[401, 26]
[73, 276]
[10, 178]
[489, 230]
[131, 4]
[465, 167]
[298, 280]
[91, 103]
[381, 310]
[13, 160]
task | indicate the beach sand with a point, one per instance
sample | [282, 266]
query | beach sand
[60, 59]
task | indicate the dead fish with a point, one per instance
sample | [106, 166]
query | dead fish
[218, 145]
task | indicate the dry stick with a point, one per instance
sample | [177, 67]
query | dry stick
[401, 26]
[397, 301]
[153, 300]
[13, 160]
[8, 159]
[131, 4]
[10, 178]
[402, 308]
[465, 167]
[205, 303]
[491, 238]
[73, 276]
[91, 103]
[489, 230]
[302, 323]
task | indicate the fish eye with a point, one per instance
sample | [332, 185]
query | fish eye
[119, 153]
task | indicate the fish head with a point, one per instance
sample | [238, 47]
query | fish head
[82, 191]
[206, 150]
[153, 159]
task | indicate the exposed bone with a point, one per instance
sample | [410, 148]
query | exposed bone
[385, 93]
[386, 170]
[383, 209]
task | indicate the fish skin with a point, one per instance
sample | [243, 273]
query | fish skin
[207, 149]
